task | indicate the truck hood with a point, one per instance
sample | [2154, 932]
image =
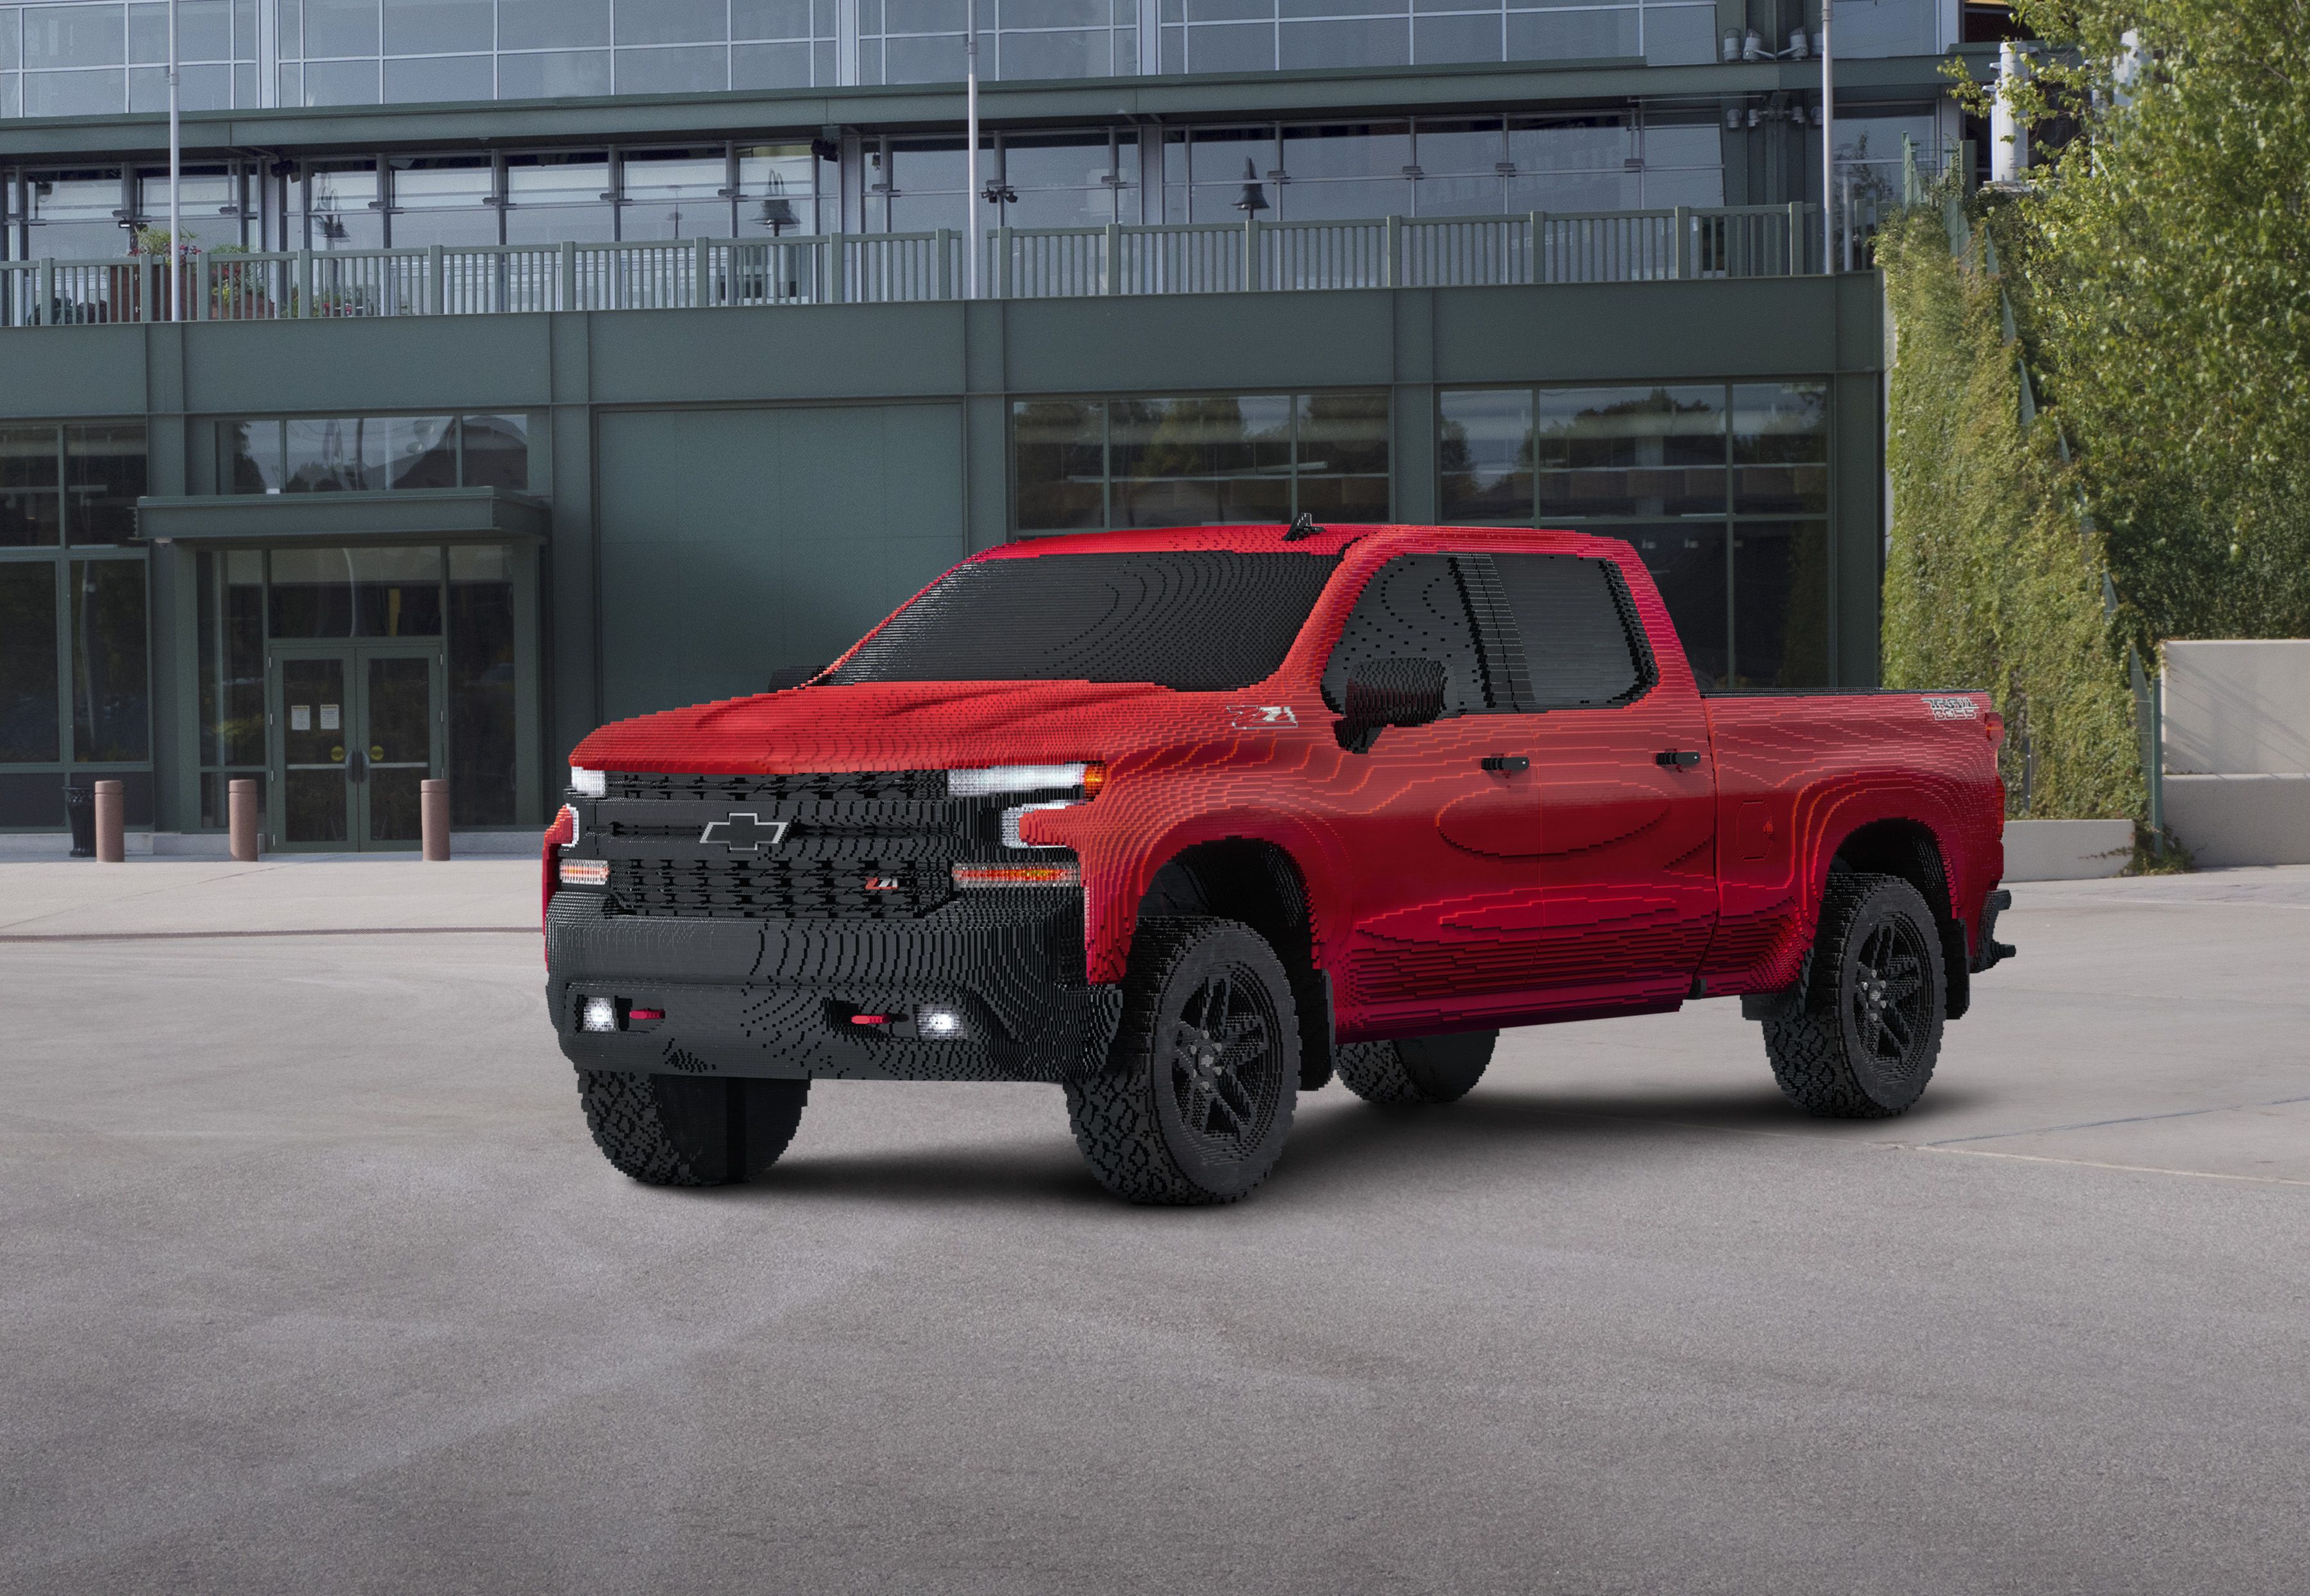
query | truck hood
[911, 727]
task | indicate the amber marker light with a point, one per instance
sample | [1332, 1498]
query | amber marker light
[1094, 777]
[1017, 875]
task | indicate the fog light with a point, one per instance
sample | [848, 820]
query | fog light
[601, 1014]
[938, 1024]
[585, 873]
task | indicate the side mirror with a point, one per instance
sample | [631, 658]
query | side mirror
[786, 676]
[1388, 692]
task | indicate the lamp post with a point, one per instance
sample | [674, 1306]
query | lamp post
[176, 179]
[970, 154]
[1828, 147]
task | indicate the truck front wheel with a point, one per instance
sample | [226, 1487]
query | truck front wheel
[1862, 1044]
[1197, 1094]
[1416, 1069]
[680, 1131]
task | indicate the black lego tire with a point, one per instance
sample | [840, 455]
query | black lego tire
[1165, 1122]
[1849, 1052]
[683, 1131]
[1416, 1069]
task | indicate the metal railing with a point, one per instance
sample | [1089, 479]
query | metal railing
[1679, 244]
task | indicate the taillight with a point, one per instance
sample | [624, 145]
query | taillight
[1994, 723]
[557, 835]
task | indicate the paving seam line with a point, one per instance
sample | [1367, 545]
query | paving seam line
[1984, 1152]
[2095, 1124]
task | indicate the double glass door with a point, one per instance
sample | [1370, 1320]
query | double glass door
[355, 727]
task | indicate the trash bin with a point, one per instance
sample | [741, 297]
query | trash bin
[80, 808]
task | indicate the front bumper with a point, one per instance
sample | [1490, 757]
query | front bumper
[774, 997]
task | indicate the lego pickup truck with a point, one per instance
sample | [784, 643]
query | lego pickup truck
[1187, 822]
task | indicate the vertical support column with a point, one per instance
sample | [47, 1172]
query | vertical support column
[1538, 222]
[437, 299]
[1250, 252]
[197, 269]
[701, 274]
[1003, 278]
[304, 283]
[1391, 266]
[1680, 247]
[946, 247]
[1110, 264]
[1796, 237]
[834, 264]
[111, 847]
[46, 308]
[568, 274]
[148, 286]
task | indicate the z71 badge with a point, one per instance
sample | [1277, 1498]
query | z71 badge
[1252, 717]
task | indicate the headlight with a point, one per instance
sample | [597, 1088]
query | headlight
[1021, 779]
[588, 784]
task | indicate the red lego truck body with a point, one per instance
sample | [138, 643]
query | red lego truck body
[1447, 780]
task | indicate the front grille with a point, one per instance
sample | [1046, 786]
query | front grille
[870, 844]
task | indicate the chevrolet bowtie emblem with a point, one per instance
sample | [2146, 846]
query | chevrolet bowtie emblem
[745, 832]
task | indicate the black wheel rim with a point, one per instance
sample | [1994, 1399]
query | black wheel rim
[1226, 1078]
[1892, 1000]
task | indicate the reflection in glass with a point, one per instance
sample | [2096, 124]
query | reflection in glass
[420, 451]
[313, 710]
[252, 456]
[1780, 603]
[70, 214]
[104, 477]
[443, 199]
[1629, 452]
[551, 24]
[341, 208]
[1780, 448]
[1181, 462]
[1341, 464]
[1686, 561]
[676, 194]
[27, 661]
[554, 74]
[497, 452]
[1483, 455]
[558, 194]
[1058, 447]
[30, 516]
[231, 598]
[368, 593]
[110, 693]
[329, 455]
[481, 682]
[312, 593]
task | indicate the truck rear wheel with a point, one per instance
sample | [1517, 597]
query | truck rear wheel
[1863, 1044]
[679, 1131]
[1416, 1069]
[1196, 1098]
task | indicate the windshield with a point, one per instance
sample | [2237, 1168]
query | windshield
[1198, 621]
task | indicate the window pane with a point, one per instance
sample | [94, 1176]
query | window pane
[340, 83]
[1575, 645]
[252, 456]
[1780, 448]
[497, 452]
[1180, 461]
[1686, 35]
[1342, 464]
[770, 66]
[1483, 456]
[1569, 145]
[558, 196]
[438, 77]
[336, 455]
[1887, 28]
[770, 18]
[1688, 562]
[481, 676]
[344, 213]
[397, 592]
[29, 508]
[75, 94]
[73, 36]
[1083, 54]
[692, 71]
[27, 661]
[1572, 35]
[11, 37]
[442, 199]
[32, 800]
[1345, 41]
[671, 22]
[1412, 608]
[547, 24]
[1058, 459]
[1780, 603]
[554, 74]
[676, 194]
[198, 89]
[312, 593]
[437, 26]
[105, 467]
[420, 451]
[1629, 452]
[110, 706]
[340, 28]
[231, 631]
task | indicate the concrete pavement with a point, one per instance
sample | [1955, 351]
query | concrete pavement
[314, 1283]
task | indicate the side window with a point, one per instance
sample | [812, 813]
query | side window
[1577, 632]
[1414, 607]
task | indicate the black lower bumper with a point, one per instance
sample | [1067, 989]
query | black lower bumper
[784, 998]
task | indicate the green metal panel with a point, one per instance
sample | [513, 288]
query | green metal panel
[736, 542]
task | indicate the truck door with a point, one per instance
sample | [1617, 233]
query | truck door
[1447, 875]
[1627, 857]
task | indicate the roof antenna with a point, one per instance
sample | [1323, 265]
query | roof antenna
[1303, 526]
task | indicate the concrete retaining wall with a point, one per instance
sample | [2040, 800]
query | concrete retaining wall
[2066, 850]
[2237, 750]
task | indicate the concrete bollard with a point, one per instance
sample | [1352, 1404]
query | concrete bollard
[433, 807]
[240, 804]
[110, 848]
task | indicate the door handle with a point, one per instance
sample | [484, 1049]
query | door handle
[1502, 764]
[1669, 758]
[356, 765]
